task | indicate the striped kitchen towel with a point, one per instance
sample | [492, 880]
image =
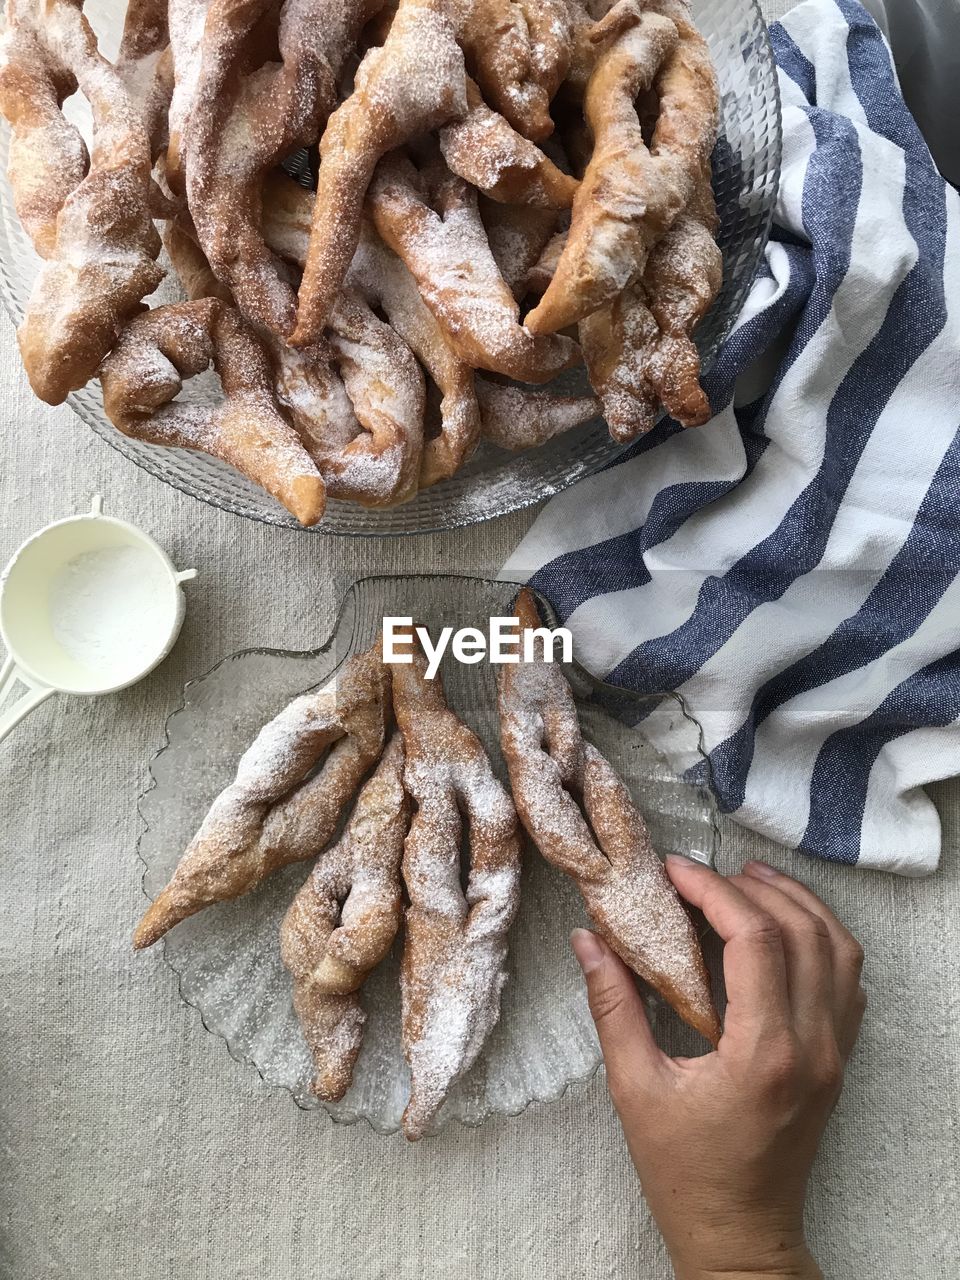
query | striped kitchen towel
[793, 568]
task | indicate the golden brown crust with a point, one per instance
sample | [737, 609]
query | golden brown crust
[455, 952]
[101, 260]
[47, 156]
[430, 218]
[343, 921]
[626, 199]
[580, 815]
[412, 84]
[247, 118]
[143, 375]
[485, 150]
[281, 808]
[640, 350]
[519, 52]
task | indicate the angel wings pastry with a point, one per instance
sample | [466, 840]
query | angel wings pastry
[342, 922]
[507, 190]
[580, 815]
[291, 788]
[454, 959]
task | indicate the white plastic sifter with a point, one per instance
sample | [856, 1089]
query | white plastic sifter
[88, 605]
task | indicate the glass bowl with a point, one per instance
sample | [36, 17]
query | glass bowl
[227, 958]
[494, 482]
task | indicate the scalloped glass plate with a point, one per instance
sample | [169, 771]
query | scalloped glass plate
[494, 482]
[227, 958]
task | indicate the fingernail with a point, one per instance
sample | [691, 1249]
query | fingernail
[588, 949]
[678, 860]
[761, 869]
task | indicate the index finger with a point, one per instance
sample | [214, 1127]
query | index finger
[754, 967]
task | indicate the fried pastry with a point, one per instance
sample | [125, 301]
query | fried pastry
[144, 373]
[385, 283]
[101, 261]
[520, 418]
[615, 339]
[144, 65]
[281, 807]
[682, 279]
[186, 19]
[519, 51]
[381, 465]
[639, 351]
[413, 83]
[518, 236]
[430, 219]
[580, 816]
[454, 960]
[247, 118]
[343, 922]
[485, 150]
[626, 200]
[47, 157]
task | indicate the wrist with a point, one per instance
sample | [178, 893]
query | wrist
[776, 1263]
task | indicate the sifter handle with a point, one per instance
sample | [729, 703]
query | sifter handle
[23, 703]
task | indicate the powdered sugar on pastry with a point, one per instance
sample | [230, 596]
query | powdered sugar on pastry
[580, 815]
[103, 259]
[342, 923]
[446, 249]
[485, 150]
[280, 808]
[143, 375]
[412, 84]
[455, 953]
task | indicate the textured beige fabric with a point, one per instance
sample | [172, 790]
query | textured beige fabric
[132, 1145]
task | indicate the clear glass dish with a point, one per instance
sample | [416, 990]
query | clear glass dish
[227, 958]
[746, 175]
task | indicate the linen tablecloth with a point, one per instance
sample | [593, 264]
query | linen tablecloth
[131, 1145]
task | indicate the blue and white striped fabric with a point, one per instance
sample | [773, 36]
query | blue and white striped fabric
[793, 568]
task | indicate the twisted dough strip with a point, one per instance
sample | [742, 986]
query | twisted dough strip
[145, 372]
[186, 19]
[144, 65]
[630, 197]
[102, 260]
[454, 960]
[381, 465]
[517, 418]
[386, 282]
[245, 124]
[308, 385]
[614, 340]
[628, 896]
[519, 51]
[446, 249]
[365, 437]
[640, 351]
[412, 84]
[280, 808]
[324, 415]
[485, 150]
[343, 921]
[47, 156]
[517, 235]
[626, 199]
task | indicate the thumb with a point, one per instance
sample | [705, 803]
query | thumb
[630, 1052]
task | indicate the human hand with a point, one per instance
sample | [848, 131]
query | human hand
[724, 1143]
